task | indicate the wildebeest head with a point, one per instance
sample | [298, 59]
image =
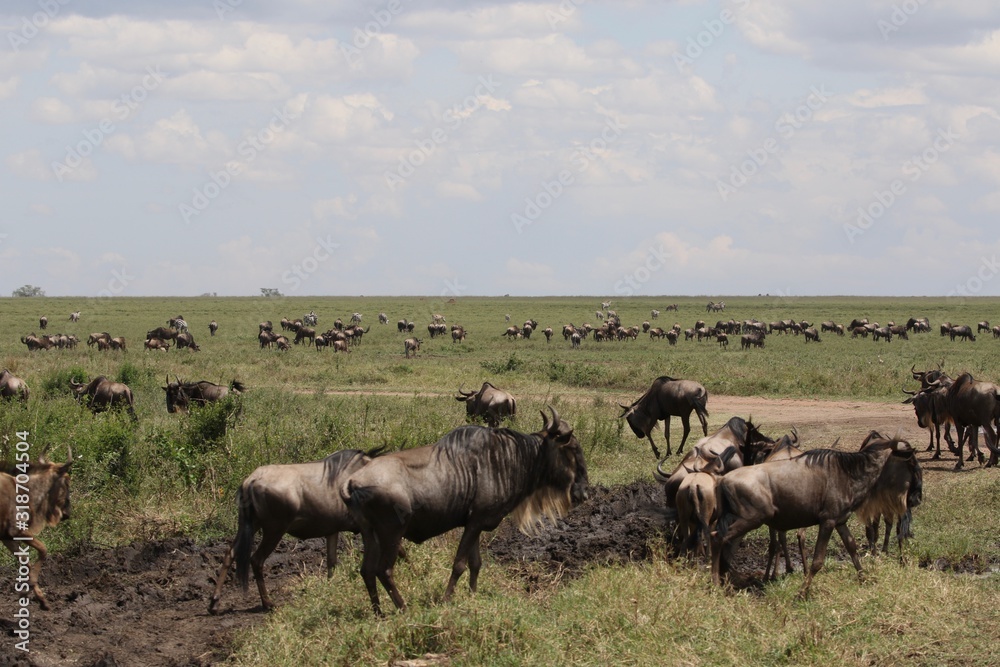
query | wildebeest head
[567, 465]
[177, 398]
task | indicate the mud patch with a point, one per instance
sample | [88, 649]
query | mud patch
[144, 604]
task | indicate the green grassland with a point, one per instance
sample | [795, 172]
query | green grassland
[166, 475]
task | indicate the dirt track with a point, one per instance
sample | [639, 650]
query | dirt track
[146, 605]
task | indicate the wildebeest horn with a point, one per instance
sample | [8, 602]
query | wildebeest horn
[464, 393]
[907, 391]
[625, 409]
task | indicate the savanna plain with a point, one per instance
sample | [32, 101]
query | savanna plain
[167, 483]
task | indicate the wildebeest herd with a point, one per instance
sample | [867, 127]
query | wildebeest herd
[730, 482]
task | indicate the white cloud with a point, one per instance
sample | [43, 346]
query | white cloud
[52, 110]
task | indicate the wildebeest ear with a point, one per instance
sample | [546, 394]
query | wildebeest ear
[727, 454]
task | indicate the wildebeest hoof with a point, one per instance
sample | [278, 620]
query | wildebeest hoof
[935, 457]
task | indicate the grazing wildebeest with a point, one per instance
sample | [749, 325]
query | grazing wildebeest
[156, 344]
[185, 339]
[963, 331]
[401, 325]
[472, 477]
[899, 489]
[181, 395]
[104, 394]
[822, 487]
[297, 499]
[93, 338]
[304, 332]
[490, 403]
[12, 386]
[267, 338]
[47, 491]
[982, 326]
[213, 326]
[667, 397]
[810, 333]
[411, 345]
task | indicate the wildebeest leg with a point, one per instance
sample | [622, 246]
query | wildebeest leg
[960, 432]
[332, 541]
[475, 563]
[388, 551]
[666, 433]
[35, 568]
[737, 529]
[851, 546]
[220, 578]
[686, 423]
[369, 562]
[888, 533]
[268, 542]
[773, 543]
[466, 556]
[990, 436]
[819, 557]
[802, 546]
[656, 452]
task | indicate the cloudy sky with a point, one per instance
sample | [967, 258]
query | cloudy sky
[482, 148]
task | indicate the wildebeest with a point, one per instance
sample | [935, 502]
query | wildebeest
[156, 344]
[982, 326]
[930, 405]
[457, 334]
[298, 499]
[118, 343]
[810, 333]
[186, 340]
[74, 317]
[46, 486]
[472, 477]
[383, 318]
[411, 345]
[696, 507]
[43, 322]
[974, 404]
[104, 394]
[882, 332]
[34, 342]
[492, 404]
[822, 487]
[163, 333]
[897, 492]
[304, 332]
[213, 326]
[751, 340]
[664, 398]
[736, 443]
[401, 325]
[181, 395]
[12, 386]
[963, 331]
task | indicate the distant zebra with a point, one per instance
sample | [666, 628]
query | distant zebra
[383, 318]
[310, 318]
[356, 318]
[74, 317]
[178, 323]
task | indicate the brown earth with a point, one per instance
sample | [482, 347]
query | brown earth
[147, 604]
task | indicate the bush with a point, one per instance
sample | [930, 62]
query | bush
[510, 364]
[56, 383]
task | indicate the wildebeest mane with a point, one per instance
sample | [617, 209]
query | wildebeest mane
[657, 383]
[507, 461]
[852, 464]
[336, 463]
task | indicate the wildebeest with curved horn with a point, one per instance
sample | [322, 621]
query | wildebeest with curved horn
[181, 395]
[822, 487]
[12, 386]
[472, 477]
[298, 499]
[492, 404]
[105, 394]
[667, 397]
[48, 504]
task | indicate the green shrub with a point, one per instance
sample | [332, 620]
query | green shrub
[57, 382]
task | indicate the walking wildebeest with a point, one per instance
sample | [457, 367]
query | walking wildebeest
[43, 322]
[298, 499]
[74, 317]
[472, 477]
[12, 386]
[411, 345]
[666, 397]
[822, 487]
[181, 395]
[213, 326]
[104, 394]
[47, 489]
[492, 404]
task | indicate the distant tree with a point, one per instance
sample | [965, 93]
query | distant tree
[270, 291]
[28, 290]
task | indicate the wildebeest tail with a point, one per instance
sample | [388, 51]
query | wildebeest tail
[915, 494]
[244, 538]
[700, 403]
[903, 531]
[723, 510]
[237, 386]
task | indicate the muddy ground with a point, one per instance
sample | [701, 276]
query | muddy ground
[147, 604]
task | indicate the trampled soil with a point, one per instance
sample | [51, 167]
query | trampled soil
[147, 604]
